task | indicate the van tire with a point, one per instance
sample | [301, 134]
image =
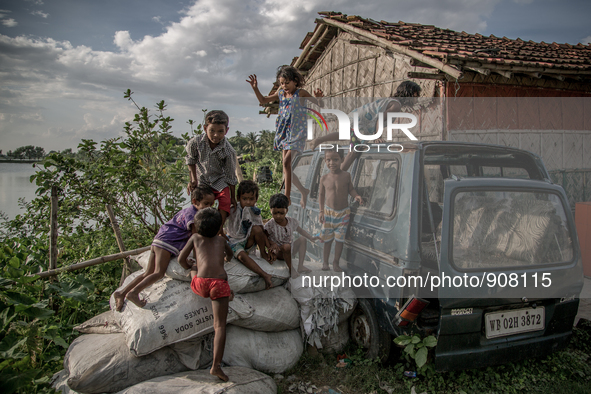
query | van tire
[366, 332]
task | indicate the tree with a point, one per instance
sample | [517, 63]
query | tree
[266, 139]
[252, 141]
[28, 152]
[238, 142]
[139, 174]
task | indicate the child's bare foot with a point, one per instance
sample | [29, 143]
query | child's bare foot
[268, 281]
[305, 193]
[336, 267]
[303, 270]
[265, 256]
[135, 298]
[325, 267]
[294, 274]
[119, 301]
[217, 371]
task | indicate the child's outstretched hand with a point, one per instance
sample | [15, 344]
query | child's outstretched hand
[252, 80]
[316, 239]
[321, 217]
[359, 199]
[317, 92]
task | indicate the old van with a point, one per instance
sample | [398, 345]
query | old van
[486, 214]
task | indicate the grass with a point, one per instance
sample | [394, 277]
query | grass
[567, 372]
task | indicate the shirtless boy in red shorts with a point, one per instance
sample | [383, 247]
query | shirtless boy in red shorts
[209, 278]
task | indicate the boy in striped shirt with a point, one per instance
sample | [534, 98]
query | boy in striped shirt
[212, 161]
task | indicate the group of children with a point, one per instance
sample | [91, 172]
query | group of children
[199, 229]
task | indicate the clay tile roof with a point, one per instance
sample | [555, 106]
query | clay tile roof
[447, 45]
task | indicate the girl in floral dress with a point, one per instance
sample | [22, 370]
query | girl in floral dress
[290, 135]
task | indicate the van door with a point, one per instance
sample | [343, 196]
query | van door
[301, 169]
[370, 247]
[308, 166]
[510, 271]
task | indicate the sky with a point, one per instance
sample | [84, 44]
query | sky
[64, 64]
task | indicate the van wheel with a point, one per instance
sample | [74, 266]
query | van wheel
[366, 332]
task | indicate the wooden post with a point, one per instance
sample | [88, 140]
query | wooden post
[53, 230]
[127, 265]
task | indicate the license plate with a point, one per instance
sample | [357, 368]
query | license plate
[500, 324]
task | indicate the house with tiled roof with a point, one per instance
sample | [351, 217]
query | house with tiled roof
[534, 96]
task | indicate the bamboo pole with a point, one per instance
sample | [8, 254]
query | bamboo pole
[53, 230]
[304, 55]
[89, 263]
[126, 266]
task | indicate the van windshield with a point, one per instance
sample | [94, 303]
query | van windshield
[496, 229]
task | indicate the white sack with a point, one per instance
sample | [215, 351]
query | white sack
[195, 353]
[242, 381]
[270, 352]
[274, 310]
[102, 363]
[172, 314]
[243, 280]
[59, 382]
[105, 323]
[174, 270]
[240, 278]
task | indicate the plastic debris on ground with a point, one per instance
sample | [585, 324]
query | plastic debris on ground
[322, 309]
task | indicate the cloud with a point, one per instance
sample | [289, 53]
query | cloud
[213, 46]
[199, 61]
[586, 40]
[9, 22]
[40, 13]
[123, 40]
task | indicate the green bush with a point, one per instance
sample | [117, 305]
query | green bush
[143, 177]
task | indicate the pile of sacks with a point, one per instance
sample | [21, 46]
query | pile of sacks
[168, 344]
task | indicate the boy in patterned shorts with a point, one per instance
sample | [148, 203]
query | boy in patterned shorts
[335, 188]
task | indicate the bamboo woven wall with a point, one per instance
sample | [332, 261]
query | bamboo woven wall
[364, 71]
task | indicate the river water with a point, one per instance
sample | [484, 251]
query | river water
[14, 184]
